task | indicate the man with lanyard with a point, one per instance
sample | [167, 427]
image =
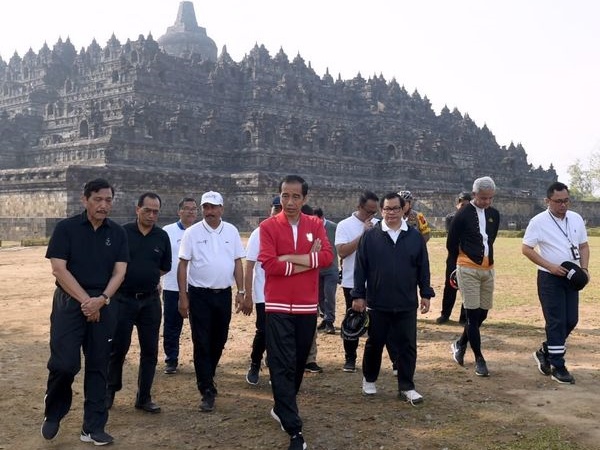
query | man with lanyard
[173, 322]
[138, 301]
[293, 247]
[210, 261]
[559, 235]
[88, 254]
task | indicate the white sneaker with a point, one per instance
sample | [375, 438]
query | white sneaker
[412, 396]
[368, 388]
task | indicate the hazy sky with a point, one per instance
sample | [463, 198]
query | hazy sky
[529, 69]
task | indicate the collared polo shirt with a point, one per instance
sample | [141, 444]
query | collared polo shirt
[175, 231]
[149, 254]
[258, 275]
[90, 254]
[211, 254]
[347, 230]
[552, 237]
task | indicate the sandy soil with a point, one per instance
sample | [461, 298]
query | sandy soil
[513, 408]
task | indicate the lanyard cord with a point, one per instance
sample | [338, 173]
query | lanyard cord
[566, 234]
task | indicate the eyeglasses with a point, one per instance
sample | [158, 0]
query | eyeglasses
[189, 209]
[392, 209]
[561, 201]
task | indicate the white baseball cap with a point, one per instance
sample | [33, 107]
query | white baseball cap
[212, 197]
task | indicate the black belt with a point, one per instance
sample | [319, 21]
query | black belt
[212, 291]
[138, 295]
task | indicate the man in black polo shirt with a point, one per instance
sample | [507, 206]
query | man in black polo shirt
[138, 301]
[88, 254]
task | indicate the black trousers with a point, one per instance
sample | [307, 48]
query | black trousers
[350, 347]
[210, 314]
[70, 332]
[259, 344]
[289, 338]
[173, 324]
[145, 314]
[449, 297]
[401, 330]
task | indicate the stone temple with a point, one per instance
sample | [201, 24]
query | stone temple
[173, 116]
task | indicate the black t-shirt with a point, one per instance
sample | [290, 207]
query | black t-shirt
[90, 254]
[148, 255]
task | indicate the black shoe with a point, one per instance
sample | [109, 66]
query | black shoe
[313, 367]
[171, 369]
[322, 325]
[542, 362]
[110, 398]
[442, 319]
[329, 328]
[149, 406]
[297, 442]
[50, 429]
[208, 401]
[99, 438]
[349, 366]
[562, 375]
[458, 352]
[481, 368]
[252, 375]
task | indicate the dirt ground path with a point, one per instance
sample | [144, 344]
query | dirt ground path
[514, 408]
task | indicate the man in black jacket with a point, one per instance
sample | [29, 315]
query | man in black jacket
[391, 261]
[470, 242]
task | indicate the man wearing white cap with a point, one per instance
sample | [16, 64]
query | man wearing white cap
[210, 261]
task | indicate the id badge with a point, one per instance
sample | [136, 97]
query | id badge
[575, 252]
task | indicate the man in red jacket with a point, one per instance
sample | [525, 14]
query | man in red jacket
[293, 247]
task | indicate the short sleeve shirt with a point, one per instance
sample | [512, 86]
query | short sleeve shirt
[553, 236]
[90, 254]
[347, 230]
[212, 254]
[258, 275]
[175, 231]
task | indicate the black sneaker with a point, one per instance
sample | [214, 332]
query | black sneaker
[313, 367]
[321, 326]
[49, 429]
[99, 438]
[208, 401]
[458, 353]
[329, 328]
[442, 319]
[481, 368]
[252, 375]
[170, 369]
[349, 366]
[542, 362]
[297, 442]
[562, 375]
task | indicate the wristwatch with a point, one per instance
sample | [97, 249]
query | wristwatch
[106, 299]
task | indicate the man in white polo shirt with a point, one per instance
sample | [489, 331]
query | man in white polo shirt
[210, 261]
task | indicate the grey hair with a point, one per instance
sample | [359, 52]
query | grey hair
[483, 184]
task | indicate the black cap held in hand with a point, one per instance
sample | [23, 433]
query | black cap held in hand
[576, 276]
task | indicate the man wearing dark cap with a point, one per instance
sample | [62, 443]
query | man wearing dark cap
[210, 262]
[449, 297]
[560, 237]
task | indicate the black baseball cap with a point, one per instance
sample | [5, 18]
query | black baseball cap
[576, 277]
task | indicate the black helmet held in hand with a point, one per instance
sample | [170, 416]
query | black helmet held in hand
[355, 324]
